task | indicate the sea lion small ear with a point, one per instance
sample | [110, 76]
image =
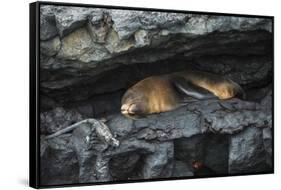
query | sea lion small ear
[189, 89]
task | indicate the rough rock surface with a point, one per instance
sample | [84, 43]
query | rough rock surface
[247, 152]
[80, 45]
[90, 56]
[151, 147]
[59, 164]
[57, 119]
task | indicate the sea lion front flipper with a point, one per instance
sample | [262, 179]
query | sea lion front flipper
[192, 90]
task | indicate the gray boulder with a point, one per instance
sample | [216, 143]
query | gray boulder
[247, 153]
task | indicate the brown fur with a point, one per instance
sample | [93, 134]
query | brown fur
[156, 94]
[222, 87]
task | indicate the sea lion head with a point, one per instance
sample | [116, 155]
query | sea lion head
[134, 104]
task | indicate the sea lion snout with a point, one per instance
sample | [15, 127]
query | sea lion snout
[129, 109]
[132, 110]
[124, 109]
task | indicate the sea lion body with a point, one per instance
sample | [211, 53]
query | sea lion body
[220, 86]
[162, 93]
[155, 93]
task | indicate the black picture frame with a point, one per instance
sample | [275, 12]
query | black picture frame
[34, 112]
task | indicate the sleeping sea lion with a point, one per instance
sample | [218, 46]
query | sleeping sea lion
[166, 92]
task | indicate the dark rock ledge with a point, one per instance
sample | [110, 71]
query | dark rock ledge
[228, 137]
[81, 48]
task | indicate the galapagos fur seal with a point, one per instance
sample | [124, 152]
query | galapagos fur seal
[166, 92]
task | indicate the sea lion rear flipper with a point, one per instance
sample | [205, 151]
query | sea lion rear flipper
[192, 90]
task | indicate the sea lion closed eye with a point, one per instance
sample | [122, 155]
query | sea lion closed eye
[163, 93]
